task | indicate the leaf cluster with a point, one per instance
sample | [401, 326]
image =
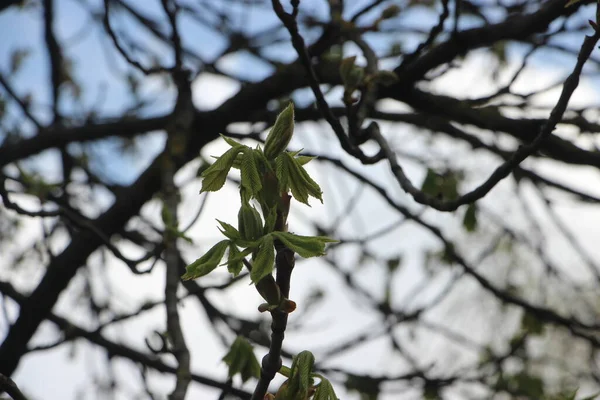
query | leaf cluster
[266, 179]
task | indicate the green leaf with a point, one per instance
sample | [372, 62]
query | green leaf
[325, 391]
[239, 257]
[207, 262]
[215, 175]
[282, 172]
[249, 171]
[531, 324]
[301, 380]
[229, 231]
[305, 246]
[470, 218]
[234, 261]
[280, 135]
[231, 142]
[445, 185]
[262, 263]
[241, 359]
[292, 175]
[249, 222]
[430, 183]
[270, 221]
[303, 160]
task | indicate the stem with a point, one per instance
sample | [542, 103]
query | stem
[271, 362]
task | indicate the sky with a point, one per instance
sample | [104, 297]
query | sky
[128, 291]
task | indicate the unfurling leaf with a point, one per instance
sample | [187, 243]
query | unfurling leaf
[214, 176]
[249, 222]
[281, 133]
[229, 231]
[305, 246]
[251, 181]
[325, 391]
[234, 260]
[301, 380]
[231, 142]
[262, 263]
[207, 262]
[303, 160]
[241, 359]
[292, 176]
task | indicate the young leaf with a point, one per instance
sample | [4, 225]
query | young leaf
[262, 263]
[270, 220]
[215, 175]
[470, 218]
[280, 135]
[241, 359]
[430, 184]
[305, 246]
[229, 231]
[234, 261]
[282, 172]
[292, 175]
[230, 141]
[301, 380]
[207, 262]
[303, 160]
[312, 187]
[531, 324]
[325, 391]
[249, 222]
[249, 171]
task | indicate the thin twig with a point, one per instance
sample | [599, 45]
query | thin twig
[509, 165]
